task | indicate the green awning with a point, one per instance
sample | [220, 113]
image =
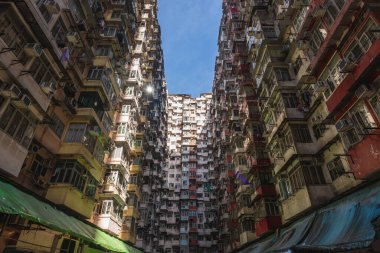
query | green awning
[14, 201]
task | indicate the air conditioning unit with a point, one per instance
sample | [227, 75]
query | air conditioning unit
[52, 7]
[73, 37]
[33, 49]
[343, 125]
[24, 102]
[363, 92]
[320, 86]
[47, 87]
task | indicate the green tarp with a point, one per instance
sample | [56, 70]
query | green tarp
[14, 201]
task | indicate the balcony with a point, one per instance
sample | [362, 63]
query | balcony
[133, 188]
[109, 222]
[205, 244]
[183, 242]
[81, 152]
[114, 190]
[135, 169]
[136, 150]
[12, 154]
[305, 198]
[103, 82]
[131, 211]
[72, 198]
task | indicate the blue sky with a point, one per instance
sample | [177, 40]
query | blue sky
[189, 38]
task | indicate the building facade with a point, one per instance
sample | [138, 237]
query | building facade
[295, 87]
[83, 115]
[188, 209]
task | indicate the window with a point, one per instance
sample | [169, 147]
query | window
[122, 128]
[42, 73]
[312, 173]
[103, 50]
[271, 208]
[109, 31]
[269, 32]
[247, 226]
[285, 187]
[375, 104]
[17, 125]
[319, 129]
[296, 180]
[73, 173]
[10, 31]
[282, 74]
[116, 14]
[38, 167]
[297, 65]
[332, 11]
[125, 109]
[301, 133]
[59, 32]
[67, 246]
[95, 73]
[335, 168]
[57, 126]
[290, 100]
[106, 207]
[75, 132]
[362, 123]
[317, 38]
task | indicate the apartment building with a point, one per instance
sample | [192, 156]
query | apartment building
[83, 125]
[295, 89]
[188, 209]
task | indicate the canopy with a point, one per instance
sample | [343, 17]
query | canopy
[14, 201]
[260, 246]
[346, 224]
[342, 225]
[292, 235]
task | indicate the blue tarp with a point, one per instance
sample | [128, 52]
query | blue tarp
[259, 247]
[345, 224]
[342, 225]
[292, 235]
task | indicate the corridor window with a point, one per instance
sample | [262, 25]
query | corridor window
[95, 73]
[57, 126]
[38, 167]
[17, 125]
[42, 72]
[125, 109]
[75, 132]
[290, 100]
[10, 30]
[282, 74]
[301, 133]
[335, 168]
[73, 173]
[59, 32]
